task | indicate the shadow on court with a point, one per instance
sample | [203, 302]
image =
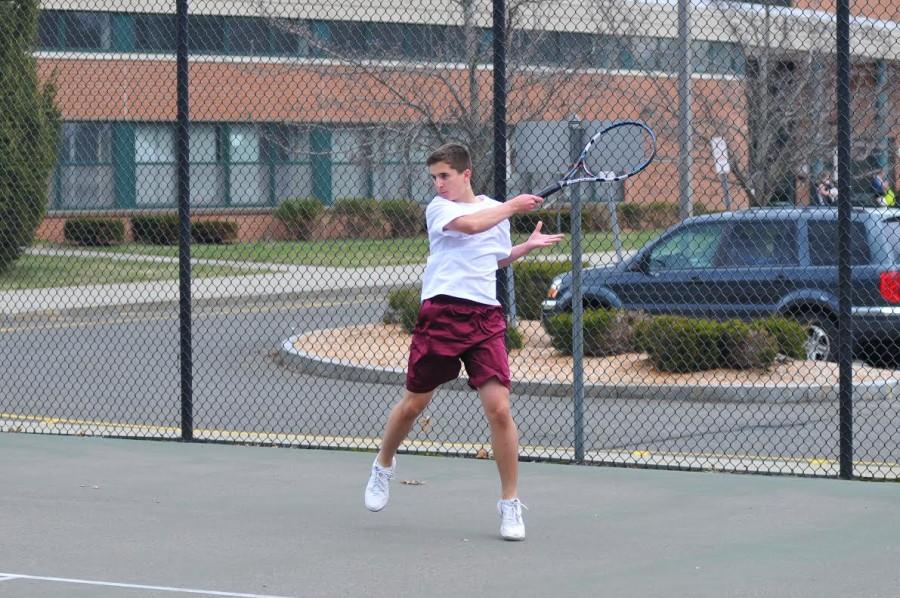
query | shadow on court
[97, 517]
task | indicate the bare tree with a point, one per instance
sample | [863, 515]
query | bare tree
[449, 97]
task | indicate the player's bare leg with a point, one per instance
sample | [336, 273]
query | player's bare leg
[504, 435]
[505, 442]
[400, 422]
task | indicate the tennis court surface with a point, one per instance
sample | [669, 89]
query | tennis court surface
[107, 517]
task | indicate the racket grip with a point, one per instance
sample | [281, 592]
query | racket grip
[550, 190]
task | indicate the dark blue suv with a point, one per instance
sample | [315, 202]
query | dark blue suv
[756, 263]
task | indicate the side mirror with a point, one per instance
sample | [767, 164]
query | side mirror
[642, 264]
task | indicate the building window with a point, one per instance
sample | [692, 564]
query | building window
[207, 34]
[289, 150]
[86, 31]
[726, 58]
[248, 37]
[154, 33]
[70, 30]
[349, 163]
[207, 180]
[48, 30]
[86, 170]
[155, 169]
[248, 175]
[289, 37]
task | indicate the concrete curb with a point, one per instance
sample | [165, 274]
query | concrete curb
[308, 363]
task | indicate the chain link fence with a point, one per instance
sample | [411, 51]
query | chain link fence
[737, 305]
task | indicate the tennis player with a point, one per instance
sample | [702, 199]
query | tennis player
[460, 320]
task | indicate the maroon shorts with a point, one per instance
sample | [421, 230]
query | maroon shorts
[451, 330]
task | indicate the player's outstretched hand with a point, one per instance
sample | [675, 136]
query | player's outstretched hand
[537, 239]
[526, 202]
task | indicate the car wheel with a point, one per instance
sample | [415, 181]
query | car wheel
[821, 338]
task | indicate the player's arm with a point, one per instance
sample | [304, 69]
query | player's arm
[482, 220]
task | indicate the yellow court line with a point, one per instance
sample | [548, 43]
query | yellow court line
[419, 443]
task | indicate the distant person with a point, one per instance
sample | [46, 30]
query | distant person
[884, 195]
[826, 192]
[460, 320]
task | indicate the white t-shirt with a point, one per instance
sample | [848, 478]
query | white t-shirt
[459, 264]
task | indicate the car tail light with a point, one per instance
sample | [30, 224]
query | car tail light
[889, 286]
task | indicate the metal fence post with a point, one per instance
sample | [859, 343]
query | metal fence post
[576, 130]
[845, 329]
[504, 275]
[184, 220]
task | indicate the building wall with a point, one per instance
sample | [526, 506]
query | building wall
[116, 91]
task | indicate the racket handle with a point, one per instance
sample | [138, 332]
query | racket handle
[550, 190]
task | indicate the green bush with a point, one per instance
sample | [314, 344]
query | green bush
[678, 344]
[596, 217]
[214, 232]
[361, 217]
[630, 215]
[155, 230]
[641, 335]
[674, 343]
[754, 348]
[29, 131]
[605, 331]
[94, 231]
[299, 216]
[532, 279]
[789, 335]
[659, 214]
[406, 218]
[403, 308]
[514, 339]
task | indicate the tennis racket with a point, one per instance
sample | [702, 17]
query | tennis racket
[614, 153]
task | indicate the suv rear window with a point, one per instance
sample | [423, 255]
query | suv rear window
[823, 243]
[892, 232]
[760, 243]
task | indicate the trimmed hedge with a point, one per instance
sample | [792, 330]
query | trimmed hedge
[299, 216]
[361, 216]
[789, 335]
[406, 218]
[163, 230]
[155, 230]
[605, 331]
[214, 232]
[403, 308]
[679, 344]
[532, 279]
[94, 232]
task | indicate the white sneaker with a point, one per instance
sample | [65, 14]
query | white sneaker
[512, 525]
[378, 488]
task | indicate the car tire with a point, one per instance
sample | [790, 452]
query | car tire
[821, 337]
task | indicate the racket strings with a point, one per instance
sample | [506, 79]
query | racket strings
[619, 152]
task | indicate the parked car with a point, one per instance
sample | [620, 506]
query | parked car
[760, 262]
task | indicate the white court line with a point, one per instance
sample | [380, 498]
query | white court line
[9, 576]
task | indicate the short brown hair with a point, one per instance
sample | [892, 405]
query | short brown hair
[456, 155]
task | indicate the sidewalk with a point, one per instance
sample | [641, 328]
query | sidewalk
[290, 522]
[286, 279]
